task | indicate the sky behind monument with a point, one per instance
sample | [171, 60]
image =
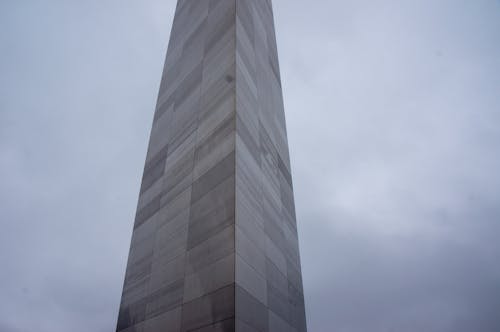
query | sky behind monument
[392, 112]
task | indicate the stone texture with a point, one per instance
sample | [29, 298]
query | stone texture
[215, 245]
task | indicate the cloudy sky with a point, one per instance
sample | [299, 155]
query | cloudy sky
[393, 114]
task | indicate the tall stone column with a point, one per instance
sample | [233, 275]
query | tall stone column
[214, 245]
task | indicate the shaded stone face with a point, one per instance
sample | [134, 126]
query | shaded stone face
[214, 245]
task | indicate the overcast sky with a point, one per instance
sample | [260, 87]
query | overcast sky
[393, 115]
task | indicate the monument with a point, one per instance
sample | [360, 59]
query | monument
[214, 244]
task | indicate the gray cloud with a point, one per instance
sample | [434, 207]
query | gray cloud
[398, 214]
[403, 203]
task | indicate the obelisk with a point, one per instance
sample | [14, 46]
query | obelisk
[214, 245]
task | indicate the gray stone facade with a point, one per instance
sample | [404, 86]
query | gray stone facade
[214, 245]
